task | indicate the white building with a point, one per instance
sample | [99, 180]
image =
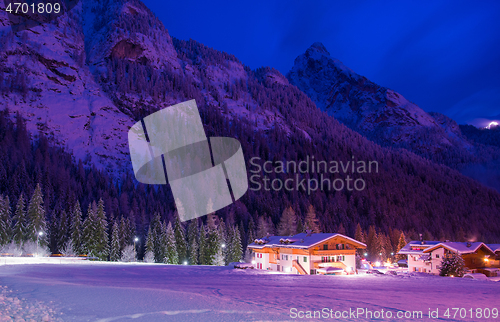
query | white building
[306, 253]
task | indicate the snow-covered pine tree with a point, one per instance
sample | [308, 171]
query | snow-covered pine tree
[193, 242]
[171, 255]
[101, 233]
[5, 221]
[76, 229]
[129, 254]
[236, 249]
[62, 230]
[149, 253]
[180, 239]
[452, 265]
[36, 216]
[224, 237]
[125, 233]
[193, 252]
[311, 221]
[20, 224]
[204, 257]
[114, 251]
[214, 246]
[89, 226]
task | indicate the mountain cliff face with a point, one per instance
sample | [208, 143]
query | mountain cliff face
[375, 111]
[85, 78]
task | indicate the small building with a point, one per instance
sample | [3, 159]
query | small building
[476, 255]
[496, 249]
[417, 260]
[427, 256]
[306, 253]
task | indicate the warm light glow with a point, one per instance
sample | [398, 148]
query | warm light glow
[452, 276]
[486, 260]
[253, 262]
[40, 233]
[366, 254]
[136, 239]
[223, 245]
[492, 124]
[185, 263]
[377, 264]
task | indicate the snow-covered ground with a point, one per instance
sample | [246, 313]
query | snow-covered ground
[97, 291]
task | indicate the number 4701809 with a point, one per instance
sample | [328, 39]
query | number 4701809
[40, 8]
[471, 313]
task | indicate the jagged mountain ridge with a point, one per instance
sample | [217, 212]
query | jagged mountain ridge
[379, 113]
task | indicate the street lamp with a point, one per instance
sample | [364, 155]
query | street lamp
[40, 234]
[223, 245]
[366, 254]
[136, 239]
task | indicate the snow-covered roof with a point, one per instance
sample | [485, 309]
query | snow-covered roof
[302, 240]
[460, 247]
[406, 250]
[494, 247]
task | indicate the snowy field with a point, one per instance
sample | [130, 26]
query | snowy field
[97, 291]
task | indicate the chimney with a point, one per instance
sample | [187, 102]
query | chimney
[308, 232]
[469, 244]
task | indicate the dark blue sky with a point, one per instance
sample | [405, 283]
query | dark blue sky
[442, 55]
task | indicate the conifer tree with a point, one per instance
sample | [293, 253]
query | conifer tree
[115, 252]
[204, 257]
[263, 228]
[125, 233]
[149, 254]
[20, 231]
[251, 231]
[5, 221]
[193, 242]
[358, 234]
[452, 265]
[401, 244]
[62, 230]
[36, 215]
[180, 239]
[235, 249]
[88, 243]
[371, 242]
[171, 255]
[288, 223]
[76, 229]
[101, 233]
[311, 222]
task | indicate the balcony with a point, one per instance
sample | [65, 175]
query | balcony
[333, 252]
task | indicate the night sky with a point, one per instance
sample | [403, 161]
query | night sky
[444, 55]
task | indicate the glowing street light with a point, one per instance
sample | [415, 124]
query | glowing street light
[223, 245]
[136, 239]
[253, 262]
[185, 263]
[366, 254]
[40, 234]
